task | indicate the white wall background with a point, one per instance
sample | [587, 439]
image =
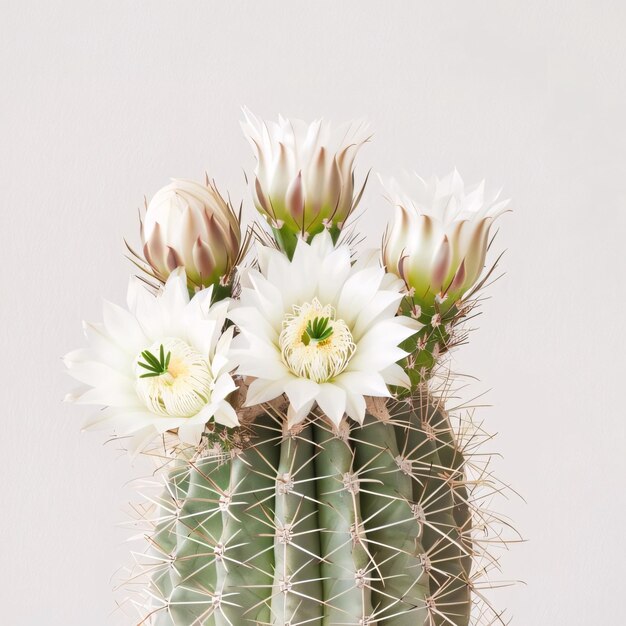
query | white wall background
[101, 102]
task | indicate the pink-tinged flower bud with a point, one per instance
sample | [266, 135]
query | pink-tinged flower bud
[437, 241]
[188, 224]
[304, 178]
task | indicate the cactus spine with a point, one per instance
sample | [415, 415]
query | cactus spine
[354, 526]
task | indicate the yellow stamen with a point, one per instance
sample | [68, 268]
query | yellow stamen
[316, 360]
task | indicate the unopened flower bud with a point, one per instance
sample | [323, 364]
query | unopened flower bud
[188, 224]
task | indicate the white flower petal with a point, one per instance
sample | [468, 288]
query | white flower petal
[97, 374]
[102, 344]
[295, 417]
[321, 246]
[301, 391]
[261, 390]
[355, 406]
[368, 258]
[248, 344]
[395, 375]
[200, 334]
[199, 307]
[363, 383]
[127, 422]
[332, 400]
[383, 305]
[149, 313]
[378, 347]
[226, 415]
[123, 328]
[76, 393]
[281, 273]
[357, 292]
[139, 440]
[375, 358]
[111, 395]
[269, 298]
[170, 423]
[190, 433]
[251, 322]
[268, 368]
[222, 359]
[334, 271]
[224, 386]
[175, 295]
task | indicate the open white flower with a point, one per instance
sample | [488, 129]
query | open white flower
[319, 330]
[161, 365]
[438, 239]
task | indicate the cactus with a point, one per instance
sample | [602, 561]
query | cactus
[322, 525]
[310, 472]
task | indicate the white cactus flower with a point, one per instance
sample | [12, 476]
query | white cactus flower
[304, 180]
[161, 365]
[188, 224]
[437, 241]
[320, 329]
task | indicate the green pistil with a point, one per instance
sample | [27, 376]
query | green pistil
[317, 330]
[155, 367]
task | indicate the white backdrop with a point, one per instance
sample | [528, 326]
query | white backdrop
[102, 102]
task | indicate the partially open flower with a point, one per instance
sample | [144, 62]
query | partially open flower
[304, 179]
[438, 239]
[188, 224]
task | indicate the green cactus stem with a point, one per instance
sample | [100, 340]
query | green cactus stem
[359, 525]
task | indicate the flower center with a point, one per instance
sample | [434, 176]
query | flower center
[314, 344]
[173, 379]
